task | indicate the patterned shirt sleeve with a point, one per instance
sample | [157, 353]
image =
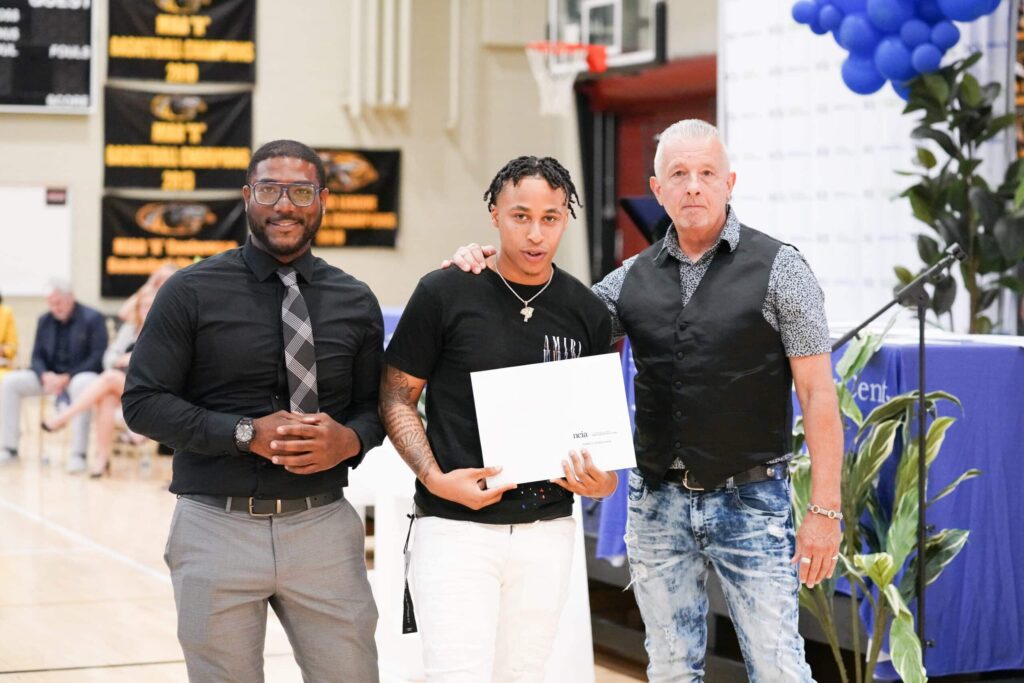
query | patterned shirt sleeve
[795, 305]
[608, 290]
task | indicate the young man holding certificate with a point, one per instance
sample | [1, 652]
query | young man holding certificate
[490, 567]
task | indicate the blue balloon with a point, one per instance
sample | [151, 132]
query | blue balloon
[889, 15]
[963, 10]
[926, 58]
[804, 12]
[893, 59]
[830, 17]
[901, 89]
[858, 35]
[817, 28]
[861, 76]
[929, 11]
[915, 32]
[992, 5]
[850, 6]
[945, 35]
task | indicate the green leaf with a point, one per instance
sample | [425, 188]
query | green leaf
[1009, 236]
[903, 529]
[989, 93]
[970, 91]
[997, 124]
[903, 275]
[988, 206]
[928, 250]
[879, 568]
[906, 471]
[871, 455]
[988, 297]
[920, 205]
[800, 486]
[937, 87]
[897, 405]
[925, 158]
[943, 140]
[848, 406]
[905, 648]
[968, 62]
[1018, 197]
[982, 325]
[944, 295]
[857, 354]
[946, 490]
[939, 550]
[1013, 283]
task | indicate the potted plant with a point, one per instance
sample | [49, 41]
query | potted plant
[954, 200]
[878, 543]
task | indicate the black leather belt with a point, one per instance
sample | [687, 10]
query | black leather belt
[757, 473]
[265, 507]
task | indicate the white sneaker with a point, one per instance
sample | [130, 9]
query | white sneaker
[7, 456]
[76, 463]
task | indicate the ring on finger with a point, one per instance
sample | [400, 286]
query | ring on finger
[805, 560]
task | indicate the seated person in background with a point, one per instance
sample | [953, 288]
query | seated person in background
[104, 394]
[127, 312]
[8, 339]
[66, 357]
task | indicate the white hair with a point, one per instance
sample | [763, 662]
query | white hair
[59, 285]
[688, 129]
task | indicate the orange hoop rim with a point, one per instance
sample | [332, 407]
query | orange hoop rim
[558, 47]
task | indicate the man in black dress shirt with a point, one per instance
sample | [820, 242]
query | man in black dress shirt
[266, 418]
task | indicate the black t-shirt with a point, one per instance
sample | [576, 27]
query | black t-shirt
[457, 323]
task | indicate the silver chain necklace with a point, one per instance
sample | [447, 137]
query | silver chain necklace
[527, 310]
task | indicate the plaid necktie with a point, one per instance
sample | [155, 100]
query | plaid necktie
[299, 352]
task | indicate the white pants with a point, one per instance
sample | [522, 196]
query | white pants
[488, 597]
[21, 384]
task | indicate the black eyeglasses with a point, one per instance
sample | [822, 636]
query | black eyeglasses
[268, 194]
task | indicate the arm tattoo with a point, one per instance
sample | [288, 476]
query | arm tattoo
[402, 422]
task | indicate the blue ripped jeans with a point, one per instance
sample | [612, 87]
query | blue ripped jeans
[746, 534]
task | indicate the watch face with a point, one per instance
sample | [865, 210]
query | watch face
[243, 432]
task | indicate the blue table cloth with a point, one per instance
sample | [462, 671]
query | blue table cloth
[975, 611]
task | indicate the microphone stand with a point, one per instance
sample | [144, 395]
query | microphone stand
[914, 294]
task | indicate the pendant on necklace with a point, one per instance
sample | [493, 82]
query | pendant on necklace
[527, 312]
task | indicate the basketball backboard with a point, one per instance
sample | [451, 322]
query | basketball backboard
[632, 31]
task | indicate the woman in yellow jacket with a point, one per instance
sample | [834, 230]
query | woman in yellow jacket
[8, 339]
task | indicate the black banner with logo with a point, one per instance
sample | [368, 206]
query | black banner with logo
[139, 236]
[183, 41]
[362, 207]
[46, 55]
[176, 141]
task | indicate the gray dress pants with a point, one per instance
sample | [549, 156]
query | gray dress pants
[21, 384]
[309, 566]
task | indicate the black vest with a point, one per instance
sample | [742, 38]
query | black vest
[713, 382]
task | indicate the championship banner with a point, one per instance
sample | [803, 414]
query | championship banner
[46, 56]
[362, 206]
[176, 141]
[139, 236]
[182, 41]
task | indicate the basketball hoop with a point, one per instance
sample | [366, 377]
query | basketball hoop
[555, 65]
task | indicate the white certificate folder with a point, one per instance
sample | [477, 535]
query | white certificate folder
[531, 416]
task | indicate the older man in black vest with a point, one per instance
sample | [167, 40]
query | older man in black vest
[723, 320]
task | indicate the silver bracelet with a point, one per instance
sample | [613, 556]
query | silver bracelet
[825, 512]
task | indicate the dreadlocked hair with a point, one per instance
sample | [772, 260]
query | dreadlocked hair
[547, 168]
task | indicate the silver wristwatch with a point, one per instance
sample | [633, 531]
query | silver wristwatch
[245, 431]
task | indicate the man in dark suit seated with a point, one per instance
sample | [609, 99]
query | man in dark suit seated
[66, 357]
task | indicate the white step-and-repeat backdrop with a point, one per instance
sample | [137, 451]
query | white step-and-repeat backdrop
[815, 163]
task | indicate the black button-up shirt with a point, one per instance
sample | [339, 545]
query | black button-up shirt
[212, 351]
